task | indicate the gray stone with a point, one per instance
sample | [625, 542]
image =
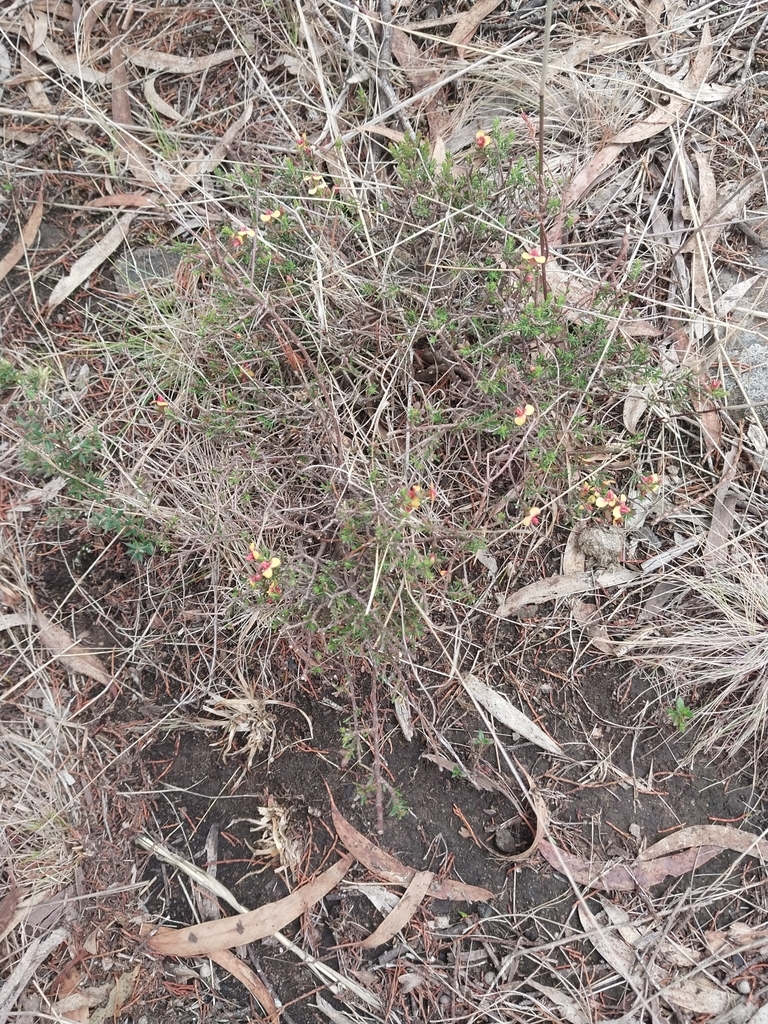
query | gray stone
[145, 267]
[746, 340]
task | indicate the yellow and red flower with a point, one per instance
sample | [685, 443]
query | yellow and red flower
[265, 567]
[270, 215]
[522, 412]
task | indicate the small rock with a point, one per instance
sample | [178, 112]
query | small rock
[743, 987]
[489, 977]
[137, 269]
[506, 838]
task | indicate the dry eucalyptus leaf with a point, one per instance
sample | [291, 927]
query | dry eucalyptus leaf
[625, 877]
[723, 836]
[503, 710]
[132, 200]
[719, 533]
[574, 560]
[555, 587]
[384, 865]
[421, 73]
[709, 422]
[70, 65]
[90, 261]
[406, 907]
[154, 60]
[695, 993]
[703, 93]
[136, 155]
[28, 235]
[635, 405]
[252, 982]
[658, 120]
[33, 86]
[729, 209]
[158, 104]
[731, 298]
[469, 22]
[36, 28]
[586, 48]
[71, 654]
[212, 936]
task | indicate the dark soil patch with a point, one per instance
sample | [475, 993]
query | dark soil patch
[627, 788]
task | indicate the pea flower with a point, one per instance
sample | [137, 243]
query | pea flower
[416, 494]
[532, 519]
[265, 567]
[620, 509]
[533, 256]
[652, 482]
[302, 145]
[483, 140]
[162, 402]
[269, 215]
[615, 506]
[241, 234]
[522, 412]
[315, 183]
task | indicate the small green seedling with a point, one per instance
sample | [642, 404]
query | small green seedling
[680, 714]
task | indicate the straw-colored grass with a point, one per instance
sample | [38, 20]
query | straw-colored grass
[343, 387]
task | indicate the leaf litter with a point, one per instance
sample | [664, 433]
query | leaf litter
[690, 90]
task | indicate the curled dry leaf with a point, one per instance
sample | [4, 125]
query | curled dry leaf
[70, 654]
[504, 711]
[154, 60]
[406, 907]
[635, 405]
[242, 972]
[625, 877]
[389, 868]
[158, 104]
[212, 936]
[719, 533]
[555, 587]
[725, 837]
[541, 811]
[468, 24]
[421, 74]
[28, 235]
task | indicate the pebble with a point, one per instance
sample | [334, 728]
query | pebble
[489, 977]
[444, 999]
[743, 987]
